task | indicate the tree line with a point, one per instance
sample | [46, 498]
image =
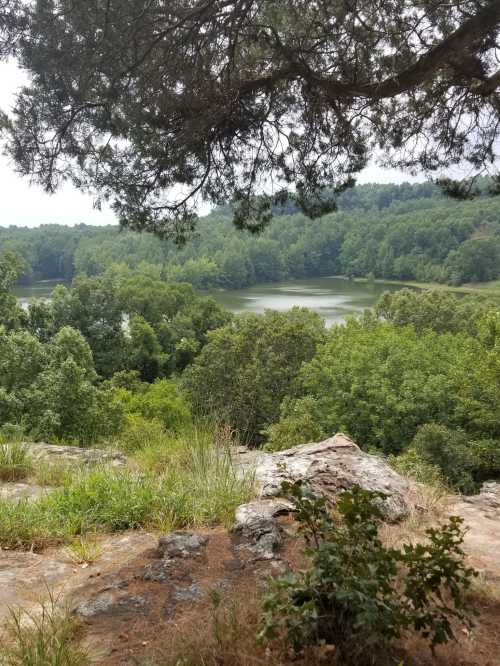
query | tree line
[400, 232]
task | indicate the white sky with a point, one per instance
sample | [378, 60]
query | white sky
[22, 204]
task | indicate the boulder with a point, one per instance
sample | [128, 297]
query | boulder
[256, 524]
[331, 467]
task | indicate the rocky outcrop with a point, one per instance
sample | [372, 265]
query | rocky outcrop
[481, 516]
[256, 525]
[75, 455]
[331, 467]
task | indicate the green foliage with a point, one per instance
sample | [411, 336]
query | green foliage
[465, 463]
[411, 464]
[404, 232]
[380, 383]
[436, 310]
[11, 315]
[359, 595]
[139, 432]
[298, 425]
[50, 388]
[15, 461]
[159, 401]
[250, 365]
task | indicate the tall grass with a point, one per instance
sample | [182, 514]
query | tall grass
[15, 461]
[44, 637]
[186, 480]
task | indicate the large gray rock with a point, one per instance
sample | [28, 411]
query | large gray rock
[331, 467]
[256, 523]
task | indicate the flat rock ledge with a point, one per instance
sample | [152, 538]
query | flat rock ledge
[330, 467]
[75, 455]
[21, 491]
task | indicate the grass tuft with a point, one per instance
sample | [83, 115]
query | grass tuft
[45, 637]
[85, 550]
[15, 461]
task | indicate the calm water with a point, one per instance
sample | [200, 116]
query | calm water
[332, 298]
[37, 290]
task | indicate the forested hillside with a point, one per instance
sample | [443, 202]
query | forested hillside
[401, 232]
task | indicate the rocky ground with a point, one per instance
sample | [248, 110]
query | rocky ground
[146, 589]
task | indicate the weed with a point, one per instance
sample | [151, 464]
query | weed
[359, 595]
[85, 550]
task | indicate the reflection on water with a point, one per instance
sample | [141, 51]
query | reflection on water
[333, 298]
[41, 289]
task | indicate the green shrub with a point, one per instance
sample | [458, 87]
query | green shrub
[380, 383]
[298, 426]
[359, 595]
[160, 401]
[140, 433]
[464, 463]
[15, 461]
[249, 366]
[411, 464]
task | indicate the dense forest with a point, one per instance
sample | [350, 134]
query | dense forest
[401, 232]
[126, 345]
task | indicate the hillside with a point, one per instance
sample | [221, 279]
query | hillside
[397, 232]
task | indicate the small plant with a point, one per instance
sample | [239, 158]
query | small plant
[15, 461]
[85, 550]
[44, 637]
[359, 595]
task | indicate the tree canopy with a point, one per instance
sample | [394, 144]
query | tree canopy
[155, 105]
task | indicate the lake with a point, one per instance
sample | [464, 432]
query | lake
[332, 297]
[41, 289]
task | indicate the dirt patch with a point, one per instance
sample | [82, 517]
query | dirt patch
[131, 613]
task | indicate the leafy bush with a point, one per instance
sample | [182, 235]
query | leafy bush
[249, 366]
[380, 382]
[140, 433]
[411, 464]
[15, 462]
[440, 311]
[298, 425]
[465, 463]
[160, 401]
[359, 595]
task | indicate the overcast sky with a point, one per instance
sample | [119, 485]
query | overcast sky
[23, 204]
